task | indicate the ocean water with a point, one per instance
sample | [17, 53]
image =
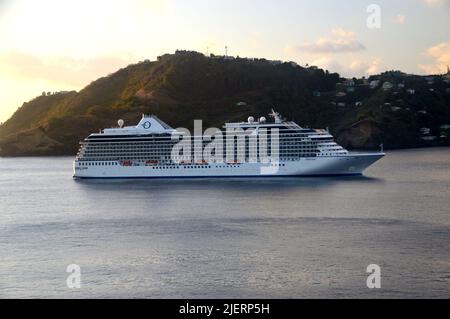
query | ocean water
[233, 238]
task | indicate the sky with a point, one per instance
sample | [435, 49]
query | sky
[52, 45]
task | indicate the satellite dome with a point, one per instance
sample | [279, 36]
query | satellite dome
[121, 123]
[262, 119]
[251, 119]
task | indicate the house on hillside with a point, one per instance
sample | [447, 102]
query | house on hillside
[428, 138]
[425, 131]
[374, 84]
[425, 134]
[349, 83]
[387, 86]
[444, 130]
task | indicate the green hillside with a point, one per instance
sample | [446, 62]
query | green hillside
[187, 85]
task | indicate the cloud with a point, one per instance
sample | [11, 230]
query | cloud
[355, 68]
[342, 41]
[325, 45]
[374, 66]
[400, 19]
[322, 53]
[441, 55]
[70, 71]
[342, 33]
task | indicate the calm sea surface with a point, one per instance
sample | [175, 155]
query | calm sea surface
[235, 238]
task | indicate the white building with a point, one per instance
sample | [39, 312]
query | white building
[425, 131]
[387, 86]
[349, 82]
[374, 84]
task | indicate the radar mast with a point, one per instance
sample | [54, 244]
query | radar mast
[276, 116]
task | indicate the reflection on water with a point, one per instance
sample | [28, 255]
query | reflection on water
[219, 238]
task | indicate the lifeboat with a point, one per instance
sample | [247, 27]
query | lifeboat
[126, 163]
[202, 162]
[233, 162]
[185, 162]
[151, 163]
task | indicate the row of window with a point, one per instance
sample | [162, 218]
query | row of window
[98, 164]
[99, 158]
[169, 167]
[171, 144]
[169, 147]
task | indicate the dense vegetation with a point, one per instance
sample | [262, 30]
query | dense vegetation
[187, 85]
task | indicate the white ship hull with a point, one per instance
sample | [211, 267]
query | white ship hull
[350, 164]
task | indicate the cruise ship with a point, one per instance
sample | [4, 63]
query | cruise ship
[254, 148]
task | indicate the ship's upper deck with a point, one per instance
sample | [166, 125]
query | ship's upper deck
[262, 124]
[149, 124]
[279, 123]
[152, 126]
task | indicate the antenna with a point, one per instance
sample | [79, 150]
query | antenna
[275, 116]
[226, 51]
